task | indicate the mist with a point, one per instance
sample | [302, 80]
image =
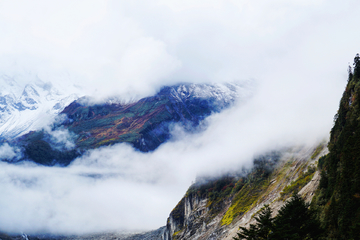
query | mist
[295, 53]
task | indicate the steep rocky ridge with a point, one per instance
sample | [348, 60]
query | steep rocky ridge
[197, 217]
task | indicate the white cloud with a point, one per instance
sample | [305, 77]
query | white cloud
[7, 152]
[297, 52]
[61, 138]
[117, 187]
[132, 48]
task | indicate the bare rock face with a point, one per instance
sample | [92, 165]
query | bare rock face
[194, 218]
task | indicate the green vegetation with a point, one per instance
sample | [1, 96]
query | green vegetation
[101, 125]
[244, 191]
[217, 190]
[295, 186]
[317, 151]
[178, 214]
[335, 208]
[214, 188]
[245, 199]
[37, 147]
[175, 234]
[41, 152]
[338, 196]
[144, 124]
[262, 230]
[294, 221]
[253, 187]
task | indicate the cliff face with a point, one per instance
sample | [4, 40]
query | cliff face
[188, 217]
[200, 215]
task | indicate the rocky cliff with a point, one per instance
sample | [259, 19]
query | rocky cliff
[200, 215]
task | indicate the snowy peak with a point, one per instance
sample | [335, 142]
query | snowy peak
[218, 96]
[29, 99]
[220, 92]
[26, 107]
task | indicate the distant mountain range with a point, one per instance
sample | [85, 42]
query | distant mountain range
[144, 124]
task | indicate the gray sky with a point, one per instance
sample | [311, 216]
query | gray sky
[295, 53]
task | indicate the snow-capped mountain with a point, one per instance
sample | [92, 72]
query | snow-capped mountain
[219, 95]
[30, 106]
[225, 93]
[145, 124]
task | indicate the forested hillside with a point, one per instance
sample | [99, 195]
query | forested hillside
[338, 196]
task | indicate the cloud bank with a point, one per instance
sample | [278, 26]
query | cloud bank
[297, 53]
[133, 48]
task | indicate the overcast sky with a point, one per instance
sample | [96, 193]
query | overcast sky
[295, 54]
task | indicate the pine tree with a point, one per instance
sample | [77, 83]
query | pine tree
[350, 73]
[338, 197]
[296, 221]
[263, 228]
[357, 65]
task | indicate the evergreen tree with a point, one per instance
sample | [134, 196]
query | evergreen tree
[263, 228]
[295, 221]
[350, 73]
[357, 66]
[338, 196]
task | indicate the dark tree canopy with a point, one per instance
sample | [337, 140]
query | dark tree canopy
[338, 196]
[295, 221]
[262, 229]
[357, 66]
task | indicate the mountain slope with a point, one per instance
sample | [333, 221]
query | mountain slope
[216, 209]
[145, 124]
[338, 197]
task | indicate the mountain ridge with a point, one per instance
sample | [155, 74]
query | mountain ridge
[201, 216]
[145, 124]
